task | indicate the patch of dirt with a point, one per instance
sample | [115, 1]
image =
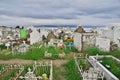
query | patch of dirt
[59, 69]
[59, 63]
[16, 61]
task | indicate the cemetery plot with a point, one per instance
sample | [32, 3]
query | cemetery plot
[112, 65]
[10, 71]
[36, 71]
[107, 64]
[86, 70]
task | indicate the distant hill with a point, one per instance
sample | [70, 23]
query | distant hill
[71, 26]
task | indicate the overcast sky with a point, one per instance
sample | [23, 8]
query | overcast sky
[84, 12]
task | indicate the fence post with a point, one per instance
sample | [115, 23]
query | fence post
[51, 70]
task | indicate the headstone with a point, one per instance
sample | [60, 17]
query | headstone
[103, 44]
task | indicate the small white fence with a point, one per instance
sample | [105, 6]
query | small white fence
[13, 67]
[20, 69]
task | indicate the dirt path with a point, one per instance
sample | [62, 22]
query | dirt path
[58, 65]
[16, 61]
[59, 69]
[22, 61]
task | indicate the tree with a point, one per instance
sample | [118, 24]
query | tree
[17, 27]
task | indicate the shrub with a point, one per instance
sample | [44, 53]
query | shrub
[93, 51]
[2, 46]
[115, 53]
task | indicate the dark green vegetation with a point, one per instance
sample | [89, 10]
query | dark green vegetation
[2, 67]
[71, 71]
[92, 51]
[35, 53]
[9, 74]
[84, 64]
[95, 50]
[56, 50]
[26, 69]
[42, 70]
[114, 65]
[2, 46]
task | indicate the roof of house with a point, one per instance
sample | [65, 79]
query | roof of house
[80, 29]
[50, 36]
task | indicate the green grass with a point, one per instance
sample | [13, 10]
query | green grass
[84, 64]
[70, 49]
[2, 67]
[71, 71]
[38, 53]
[8, 74]
[26, 69]
[115, 53]
[66, 71]
[41, 70]
[33, 54]
[114, 65]
[56, 50]
[2, 46]
[95, 50]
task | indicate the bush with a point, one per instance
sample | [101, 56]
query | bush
[54, 50]
[2, 46]
[115, 53]
[93, 51]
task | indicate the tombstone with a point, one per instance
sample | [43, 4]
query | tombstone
[29, 75]
[103, 44]
[7, 45]
[34, 36]
[62, 55]
[46, 54]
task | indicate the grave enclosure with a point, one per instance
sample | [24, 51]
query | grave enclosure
[86, 70]
[105, 68]
[35, 71]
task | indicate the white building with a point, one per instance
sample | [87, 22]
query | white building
[83, 39]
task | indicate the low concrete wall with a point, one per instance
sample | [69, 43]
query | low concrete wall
[107, 73]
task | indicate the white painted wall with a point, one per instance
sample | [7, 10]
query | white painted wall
[117, 35]
[103, 44]
[108, 34]
[78, 41]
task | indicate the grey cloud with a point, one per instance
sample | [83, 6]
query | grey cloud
[60, 9]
